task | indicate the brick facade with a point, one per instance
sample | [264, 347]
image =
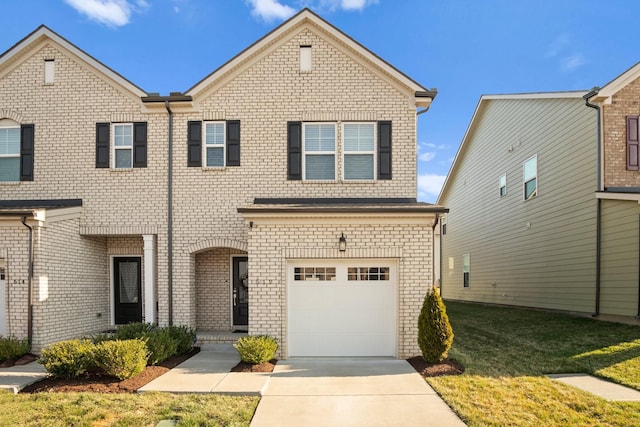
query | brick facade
[264, 90]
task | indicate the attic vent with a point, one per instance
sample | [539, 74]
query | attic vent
[49, 71]
[305, 58]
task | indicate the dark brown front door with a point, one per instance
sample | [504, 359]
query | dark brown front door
[127, 290]
[240, 291]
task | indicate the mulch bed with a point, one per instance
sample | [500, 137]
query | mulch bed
[248, 367]
[446, 367]
[98, 382]
[27, 358]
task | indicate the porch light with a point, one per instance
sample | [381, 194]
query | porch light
[342, 243]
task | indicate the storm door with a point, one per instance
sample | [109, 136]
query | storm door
[127, 290]
[240, 291]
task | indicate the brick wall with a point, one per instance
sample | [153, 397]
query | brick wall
[625, 102]
[270, 246]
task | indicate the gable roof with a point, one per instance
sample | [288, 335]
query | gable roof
[484, 100]
[308, 18]
[41, 35]
[605, 93]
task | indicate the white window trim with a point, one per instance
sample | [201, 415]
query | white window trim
[115, 148]
[317, 153]
[504, 175]
[374, 152]
[524, 180]
[223, 146]
[12, 156]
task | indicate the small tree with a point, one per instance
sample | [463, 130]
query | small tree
[435, 335]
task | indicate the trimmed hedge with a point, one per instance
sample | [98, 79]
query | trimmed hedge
[256, 349]
[68, 359]
[13, 348]
[122, 359]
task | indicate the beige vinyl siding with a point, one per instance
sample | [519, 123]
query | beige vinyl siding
[538, 253]
[620, 257]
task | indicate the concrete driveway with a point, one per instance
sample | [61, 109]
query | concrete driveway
[350, 392]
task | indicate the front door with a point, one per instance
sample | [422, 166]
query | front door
[240, 291]
[127, 290]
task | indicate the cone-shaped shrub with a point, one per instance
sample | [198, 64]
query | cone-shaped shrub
[435, 335]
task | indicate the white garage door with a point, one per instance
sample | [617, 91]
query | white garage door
[342, 307]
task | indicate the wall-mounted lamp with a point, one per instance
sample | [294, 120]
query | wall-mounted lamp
[342, 243]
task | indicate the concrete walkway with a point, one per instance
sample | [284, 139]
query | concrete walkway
[208, 372]
[17, 377]
[605, 389]
[350, 392]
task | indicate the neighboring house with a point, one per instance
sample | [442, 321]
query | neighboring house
[277, 195]
[619, 193]
[521, 192]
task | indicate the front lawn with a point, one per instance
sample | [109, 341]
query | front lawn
[136, 410]
[507, 351]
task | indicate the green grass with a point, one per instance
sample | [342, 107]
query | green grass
[137, 410]
[507, 352]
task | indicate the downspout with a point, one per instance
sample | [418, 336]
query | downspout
[170, 213]
[596, 107]
[29, 284]
[433, 250]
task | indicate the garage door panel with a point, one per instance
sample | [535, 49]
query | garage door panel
[342, 317]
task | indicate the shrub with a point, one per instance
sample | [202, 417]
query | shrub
[256, 349]
[13, 348]
[160, 345]
[134, 330]
[184, 337]
[68, 358]
[435, 335]
[121, 359]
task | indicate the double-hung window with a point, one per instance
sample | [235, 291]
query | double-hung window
[530, 178]
[466, 270]
[10, 153]
[123, 145]
[359, 151]
[503, 185]
[214, 144]
[319, 151]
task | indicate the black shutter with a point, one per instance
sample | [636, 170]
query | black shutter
[102, 145]
[294, 151]
[26, 152]
[233, 143]
[140, 145]
[384, 150]
[194, 144]
[633, 152]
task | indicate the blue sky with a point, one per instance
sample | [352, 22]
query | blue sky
[464, 48]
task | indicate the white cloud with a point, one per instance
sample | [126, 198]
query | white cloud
[572, 62]
[429, 186]
[113, 13]
[427, 156]
[270, 10]
[353, 4]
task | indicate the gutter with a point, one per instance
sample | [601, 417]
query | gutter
[170, 213]
[29, 284]
[596, 107]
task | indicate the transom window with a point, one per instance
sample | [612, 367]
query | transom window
[123, 145]
[10, 153]
[319, 151]
[314, 273]
[503, 185]
[530, 178]
[214, 144]
[358, 146]
[368, 273]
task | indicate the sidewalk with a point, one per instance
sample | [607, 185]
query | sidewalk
[208, 372]
[17, 377]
